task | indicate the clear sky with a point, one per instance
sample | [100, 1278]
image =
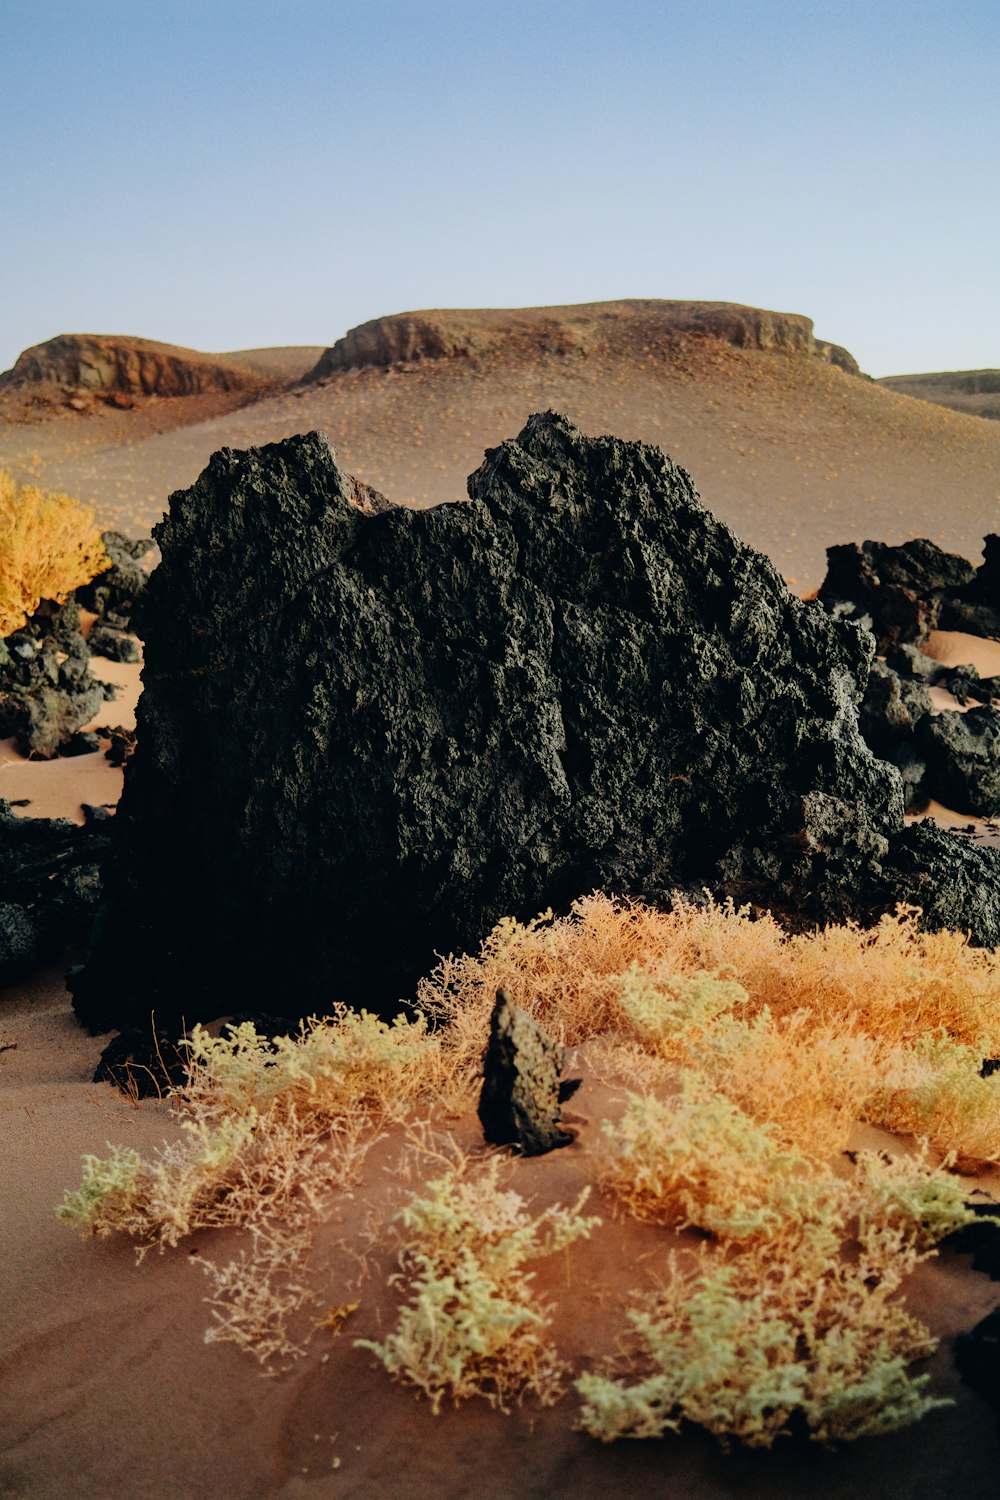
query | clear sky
[234, 173]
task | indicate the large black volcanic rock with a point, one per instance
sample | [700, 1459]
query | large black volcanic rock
[365, 737]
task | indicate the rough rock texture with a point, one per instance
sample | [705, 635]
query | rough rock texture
[365, 738]
[113, 594]
[51, 885]
[891, 709]
[962, 751]
[523, 1091]
[896, 591]
[105, 364]
[472, 333]
[955, 882]
[47, 691]
[977, 1357]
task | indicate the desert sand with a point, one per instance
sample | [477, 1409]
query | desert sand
[111, 1393]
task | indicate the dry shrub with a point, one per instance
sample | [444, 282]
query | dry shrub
[805, 1034]
[934, 1088]
[796, 1320]
[271, 1128]
[49, 545]
[697, 1159]
[760, 1346]
[473, 1325]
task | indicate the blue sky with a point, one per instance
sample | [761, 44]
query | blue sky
[231, 173]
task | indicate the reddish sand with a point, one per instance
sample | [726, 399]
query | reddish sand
[111, 1393]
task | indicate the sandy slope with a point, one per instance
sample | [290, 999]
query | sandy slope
[794, 453]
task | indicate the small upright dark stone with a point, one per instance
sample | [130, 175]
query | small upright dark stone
[523, 1091]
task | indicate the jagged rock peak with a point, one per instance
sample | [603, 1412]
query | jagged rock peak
[365, 738]
[624, 326]
[103, 364]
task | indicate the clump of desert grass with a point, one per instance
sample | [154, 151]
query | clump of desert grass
[743, 1058]
[49, 545]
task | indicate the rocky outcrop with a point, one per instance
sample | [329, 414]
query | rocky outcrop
[104, 365]
[520, 1103]
[538, 331]
[51, 884]
[364, 738]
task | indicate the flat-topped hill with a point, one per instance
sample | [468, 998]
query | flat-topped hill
[108, 365]
[975, 392]
[589, 328]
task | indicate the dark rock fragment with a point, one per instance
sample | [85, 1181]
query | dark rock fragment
[977, 1358]
[368, 733]
[47, 691]
[954, 882]
[81, 743]
[113, 644]
[51, 884]
[523, 1091]
[898, 590]
[122, 744]
[981, 1240]
[962, 751]
[143, 1062]
[114, 594]
[891, 709]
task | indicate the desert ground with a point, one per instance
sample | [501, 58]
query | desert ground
[110, 1389]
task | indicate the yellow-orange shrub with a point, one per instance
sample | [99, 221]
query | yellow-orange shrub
[49, 545]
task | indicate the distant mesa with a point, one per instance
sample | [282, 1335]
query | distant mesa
[118, 369]
[974, 392]
[628, 327]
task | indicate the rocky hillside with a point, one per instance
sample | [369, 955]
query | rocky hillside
[592, 328]
[975, 392]
[79, 368]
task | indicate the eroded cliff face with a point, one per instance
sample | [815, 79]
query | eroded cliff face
[590, 327]
[368, 733]
[102, 364]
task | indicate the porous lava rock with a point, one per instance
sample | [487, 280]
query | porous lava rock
[523, 1090]
[365, 738]
[898, 592]
[47, 691]
[962, 751]
[891, 709]
[51, 884]
[113, 594]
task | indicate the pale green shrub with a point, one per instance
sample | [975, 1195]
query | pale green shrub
[473, 1326]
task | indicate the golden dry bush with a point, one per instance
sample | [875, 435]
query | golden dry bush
[934, 1088]
[49, 545]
